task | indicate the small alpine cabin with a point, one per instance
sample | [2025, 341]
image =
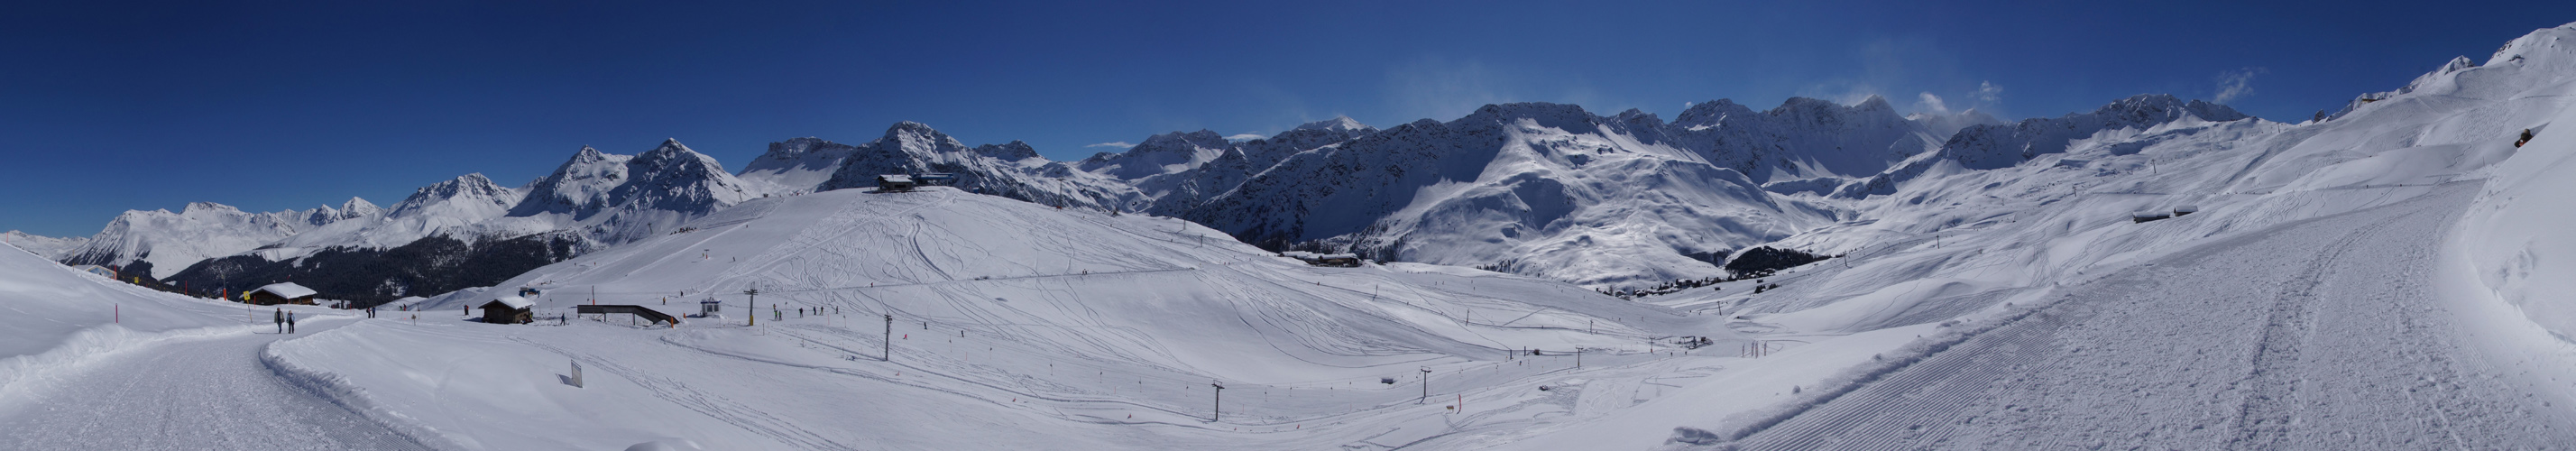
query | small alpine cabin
[280, 293]
[509, 310]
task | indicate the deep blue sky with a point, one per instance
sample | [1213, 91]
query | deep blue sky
[107, 106]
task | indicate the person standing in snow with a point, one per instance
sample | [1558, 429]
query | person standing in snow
[280, 319]
[290, 322]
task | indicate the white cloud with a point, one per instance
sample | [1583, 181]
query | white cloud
[1989, 93]
[1933, 103]
[1117, 144]
[2236, 84]
[1246, 137]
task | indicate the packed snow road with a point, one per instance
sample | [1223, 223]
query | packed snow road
[196, 394]
[2321, 334]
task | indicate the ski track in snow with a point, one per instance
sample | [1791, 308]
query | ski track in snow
[2228, 345]
[712, 405]
[194, 394]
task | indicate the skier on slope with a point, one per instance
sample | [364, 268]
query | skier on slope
[280, 319]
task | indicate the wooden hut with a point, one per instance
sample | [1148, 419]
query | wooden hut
[509, 310]
[895, 183]
[280, 293]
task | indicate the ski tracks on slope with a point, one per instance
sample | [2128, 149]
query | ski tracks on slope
[712, 405]
[2233, 344]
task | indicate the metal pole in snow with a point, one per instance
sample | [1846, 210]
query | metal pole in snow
[1426, 387]
[888, 354]
[1218, 411]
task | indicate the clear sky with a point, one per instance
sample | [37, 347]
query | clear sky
[109, 106]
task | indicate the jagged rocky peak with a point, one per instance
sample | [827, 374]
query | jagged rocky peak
[796, 165]
[1810, 112]
[1944, 124]
[577, 184]
[672, 155]
[200, 208]
[799, 146]
[1160, 154]
[1012, 151]
[2151, 109]
[469, 187]
[360, 207]
[1711, 113]
[802, 152]
[353, 208]
[918, 140]
[1561, 116]
[1339, 124]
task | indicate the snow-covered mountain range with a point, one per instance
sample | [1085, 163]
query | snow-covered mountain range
[1538, 189]
[43, 246]
[2388, 276]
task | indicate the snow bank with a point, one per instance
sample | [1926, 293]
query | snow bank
[62, 319]
[22, 375]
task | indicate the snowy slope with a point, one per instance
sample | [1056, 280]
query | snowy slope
[2364, 209]
[1072, 320]
[86, 362]
[43, 246]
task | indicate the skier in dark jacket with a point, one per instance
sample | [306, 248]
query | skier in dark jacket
[281, 320]
[290, 322]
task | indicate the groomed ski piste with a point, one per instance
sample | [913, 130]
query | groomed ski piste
[2392, 278]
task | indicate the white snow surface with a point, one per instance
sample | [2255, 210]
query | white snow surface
[2389, 278]
[88, 363]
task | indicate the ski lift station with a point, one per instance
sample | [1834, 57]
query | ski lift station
[1335, 260]
[895, 183]
[636, 314]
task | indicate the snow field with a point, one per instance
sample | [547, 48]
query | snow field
[1078, 329]
[93, 363]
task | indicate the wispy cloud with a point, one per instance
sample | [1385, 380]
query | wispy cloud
[1246, 137]
[1117, 144]
[2236, 84]
[1932, 103]
[1989, 93]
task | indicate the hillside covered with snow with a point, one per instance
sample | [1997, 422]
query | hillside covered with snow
[2156, 273]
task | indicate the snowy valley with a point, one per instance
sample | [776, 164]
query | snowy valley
[2155, 273]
